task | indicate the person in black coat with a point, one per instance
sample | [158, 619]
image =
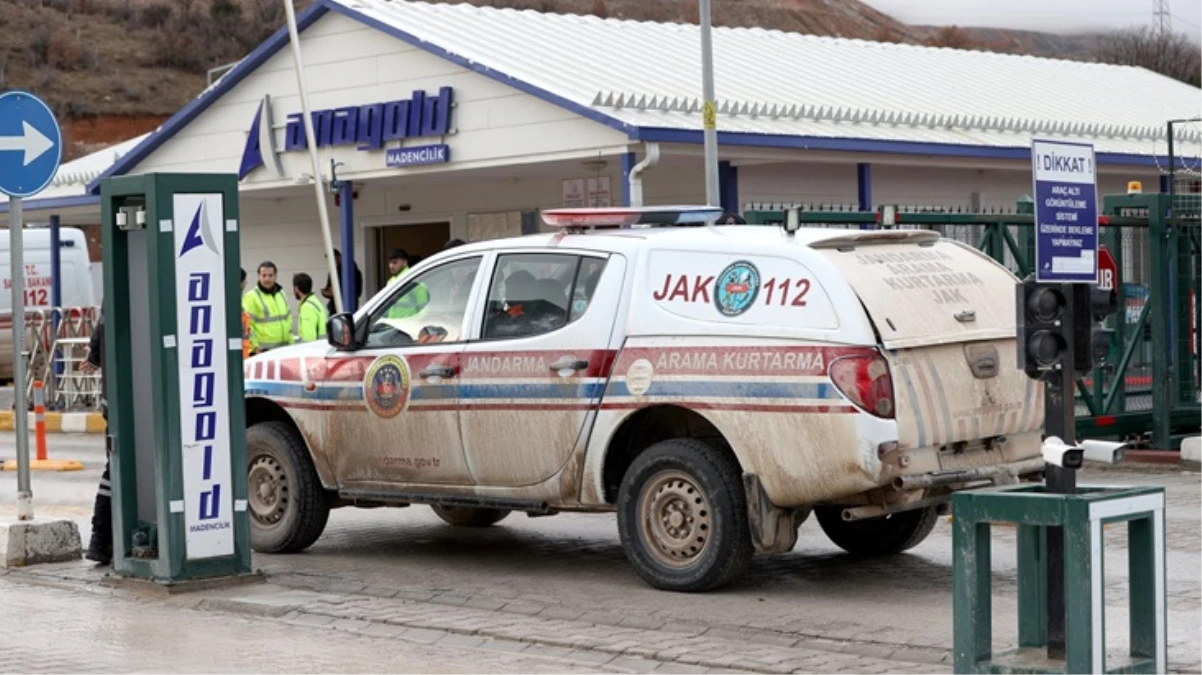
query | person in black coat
[100, 547]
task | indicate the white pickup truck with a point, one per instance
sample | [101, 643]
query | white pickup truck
[712, 385]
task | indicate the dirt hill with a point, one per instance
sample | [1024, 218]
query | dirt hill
[113, 69]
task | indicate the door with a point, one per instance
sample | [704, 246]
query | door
[405, 428]
[532, 382]
[419, 240]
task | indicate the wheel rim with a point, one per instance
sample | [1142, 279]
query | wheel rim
[268, 490]
[676, 518]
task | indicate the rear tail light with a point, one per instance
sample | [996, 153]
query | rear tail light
[864, 379]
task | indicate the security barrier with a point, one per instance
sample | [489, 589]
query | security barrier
[56, 340]
[1157, 251]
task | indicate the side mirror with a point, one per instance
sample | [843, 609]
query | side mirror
[340, 331]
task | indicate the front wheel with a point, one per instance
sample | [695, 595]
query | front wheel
[288, 506]
[877, 536]
[682, 516]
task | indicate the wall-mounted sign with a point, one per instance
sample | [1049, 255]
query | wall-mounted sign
[586, 192]
[418, 155]
[368, 127]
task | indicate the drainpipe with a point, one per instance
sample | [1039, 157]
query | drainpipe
[636, 173]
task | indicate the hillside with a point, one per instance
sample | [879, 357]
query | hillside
[113, 69]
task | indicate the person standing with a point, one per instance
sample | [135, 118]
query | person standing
[328, 291]
[398, 264]
[311, 316]
[100, 546]
[246, 346]
[267, 306]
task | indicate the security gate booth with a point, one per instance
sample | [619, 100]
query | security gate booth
[174, 376]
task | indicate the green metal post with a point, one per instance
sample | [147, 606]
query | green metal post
[1112, 237]
[972, 601]
[1080, 585]
[1026, 235]
[1032, 586]
[1163, 388]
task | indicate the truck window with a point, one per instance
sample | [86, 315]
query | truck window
[536, 293]
[428, 308]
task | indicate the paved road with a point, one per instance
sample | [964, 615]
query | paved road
[547, 580]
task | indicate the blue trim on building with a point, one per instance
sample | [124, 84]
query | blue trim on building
[537, 92]
[694, 136]
[728, 187]
[1164, 183]
[864, 186]
[629, 159]
[55, 203]
[346, 210]
[179, 120]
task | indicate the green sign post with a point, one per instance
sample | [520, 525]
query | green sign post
[174, 376]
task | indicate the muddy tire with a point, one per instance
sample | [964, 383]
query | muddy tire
[467, 516]
[877, 536]
[682, 517]
[288, 506]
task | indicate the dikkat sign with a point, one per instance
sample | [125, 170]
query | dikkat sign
[367, 127]
[203, 377]
[1066, 212]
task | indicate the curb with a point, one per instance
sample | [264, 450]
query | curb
[69, 423]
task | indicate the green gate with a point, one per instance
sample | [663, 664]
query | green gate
[1156, 338]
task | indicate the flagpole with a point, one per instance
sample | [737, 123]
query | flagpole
[310, 141]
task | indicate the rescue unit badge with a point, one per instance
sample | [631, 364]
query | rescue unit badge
[736, 288]
[386, 386]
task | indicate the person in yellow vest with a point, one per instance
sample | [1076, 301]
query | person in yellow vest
[398, 264]
[311, 315]
[270, 318]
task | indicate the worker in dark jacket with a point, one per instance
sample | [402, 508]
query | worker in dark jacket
[100, 547]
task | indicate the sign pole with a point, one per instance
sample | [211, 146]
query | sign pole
[20, 408]
[709, 107]
[311, 141]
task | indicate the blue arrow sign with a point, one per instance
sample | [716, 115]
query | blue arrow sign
[31, 144]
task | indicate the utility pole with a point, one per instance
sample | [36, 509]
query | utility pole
[1162, 19]
[709, 109]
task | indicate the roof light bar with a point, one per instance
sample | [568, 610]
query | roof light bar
[628, 216]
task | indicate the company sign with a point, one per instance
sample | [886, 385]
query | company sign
[367, 127]
[203, 375]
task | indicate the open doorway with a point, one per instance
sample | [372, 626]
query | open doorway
[418, 240]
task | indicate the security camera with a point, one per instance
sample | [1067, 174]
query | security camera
[1103, 452]
[1064, 456]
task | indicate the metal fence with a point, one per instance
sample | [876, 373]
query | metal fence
[1157, 252]
[56, 342]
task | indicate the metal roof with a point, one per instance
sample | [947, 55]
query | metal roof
[647, 75]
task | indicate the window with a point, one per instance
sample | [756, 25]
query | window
[429, 307]
[536, 293]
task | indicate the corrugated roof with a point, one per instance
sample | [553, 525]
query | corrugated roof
[772, 82]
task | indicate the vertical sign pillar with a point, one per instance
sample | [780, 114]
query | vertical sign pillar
[1066, 252]
[178, 429]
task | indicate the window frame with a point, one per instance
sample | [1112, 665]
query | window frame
[486, 290]
[372, 313]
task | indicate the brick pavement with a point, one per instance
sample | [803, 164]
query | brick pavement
[825, 609]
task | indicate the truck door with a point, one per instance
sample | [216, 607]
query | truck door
[400, 422]
[531, 384]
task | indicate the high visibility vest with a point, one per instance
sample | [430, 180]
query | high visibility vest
[409, 304]
[270, 320]
[311, 318]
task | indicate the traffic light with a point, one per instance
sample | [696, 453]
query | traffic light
[1091, 343]
[1042, 310]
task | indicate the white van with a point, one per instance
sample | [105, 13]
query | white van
[76, 270]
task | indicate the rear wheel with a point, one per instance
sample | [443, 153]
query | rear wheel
[288, 506]
[682, 516]
[877, 536]
[468, 516]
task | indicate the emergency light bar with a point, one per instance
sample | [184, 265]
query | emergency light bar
[627, 216]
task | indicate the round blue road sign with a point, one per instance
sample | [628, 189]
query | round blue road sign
[31, 144]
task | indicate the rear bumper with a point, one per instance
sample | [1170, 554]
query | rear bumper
[998, 474]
